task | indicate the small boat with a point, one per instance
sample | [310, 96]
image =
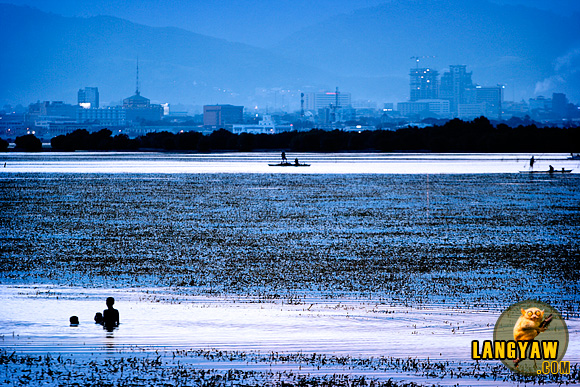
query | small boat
[286, 164]
[549, 172]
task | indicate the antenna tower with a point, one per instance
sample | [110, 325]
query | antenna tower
[137, 81]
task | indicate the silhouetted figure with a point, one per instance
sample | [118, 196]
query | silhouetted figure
[74, 321]
[532, 161]
[110, 315]
[284, 157]
[98, 318]
[296, 161]
[551, 169]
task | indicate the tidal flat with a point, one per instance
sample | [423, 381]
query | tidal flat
[430, 256]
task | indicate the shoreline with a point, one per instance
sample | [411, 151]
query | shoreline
[127, 357]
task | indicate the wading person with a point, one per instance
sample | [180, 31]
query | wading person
[110, 315]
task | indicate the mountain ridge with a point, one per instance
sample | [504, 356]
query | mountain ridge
[52, 56]
[49, 57]
[510, 44]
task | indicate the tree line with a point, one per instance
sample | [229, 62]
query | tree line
[456, 135]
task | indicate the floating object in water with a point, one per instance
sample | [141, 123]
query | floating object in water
[549, 171]
[287, 164]
[74, 321]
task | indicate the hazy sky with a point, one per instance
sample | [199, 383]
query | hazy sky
[257, 22]
[361, 53]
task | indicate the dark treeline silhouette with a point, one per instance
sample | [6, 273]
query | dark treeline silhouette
[81, 139]
[456, 135]
[28, 143]
[3, 145]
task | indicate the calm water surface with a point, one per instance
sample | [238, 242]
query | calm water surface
[381, 163]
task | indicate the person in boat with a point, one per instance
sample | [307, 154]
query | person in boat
[284, 157]
[110, 315]
[532, 161]
[296, 161]
[551, 169]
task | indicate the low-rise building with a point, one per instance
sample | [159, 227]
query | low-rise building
[440, 107]
[412, 108]
[219, 116]
[471, 110]
[265, 126]
[110, 116]
[138, 108]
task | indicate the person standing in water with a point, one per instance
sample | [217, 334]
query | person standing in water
[532, 161]
[284, 157]
[110, 315]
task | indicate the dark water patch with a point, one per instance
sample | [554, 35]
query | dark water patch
[467, 239]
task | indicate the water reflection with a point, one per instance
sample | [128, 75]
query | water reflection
[109, 339]
[327, 163]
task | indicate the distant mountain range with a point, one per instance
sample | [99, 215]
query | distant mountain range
[49, 57]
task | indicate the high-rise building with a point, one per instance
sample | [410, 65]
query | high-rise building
[424, 84]
[89, 97]
[456, 86]
[559, 105]
[492, 97]
[221, 115]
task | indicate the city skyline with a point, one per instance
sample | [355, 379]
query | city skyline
[279, 74]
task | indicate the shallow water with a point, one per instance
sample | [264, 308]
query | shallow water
[339, 327]
[333, 163]
[364, 255]
[156, 320]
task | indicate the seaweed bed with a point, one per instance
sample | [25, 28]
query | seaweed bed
[190, 368]
[469, 240]
[455, 241]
